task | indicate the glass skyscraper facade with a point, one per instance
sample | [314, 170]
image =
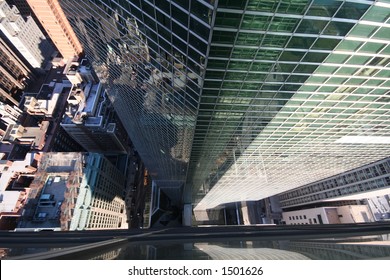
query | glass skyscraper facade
[243, 99]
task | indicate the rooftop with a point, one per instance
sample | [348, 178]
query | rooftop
[34, 136]
[46, 101]
[86, 105]
[52, 197]
[9, 170]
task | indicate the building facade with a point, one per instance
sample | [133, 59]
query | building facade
[15, 73]
[33, 137]
[360, 183]
[75, 191]
[242, 100]
[14, 188]
[9, 114]
[329, 215]
[57, 27]
[25, 36]
[90, 118]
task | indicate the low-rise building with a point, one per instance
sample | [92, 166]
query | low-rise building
[30, 136]
[15, 179]
[329, 215]
[75, 191]
[46, 102]
[9, 114]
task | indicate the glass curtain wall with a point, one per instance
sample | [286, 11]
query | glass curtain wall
[243, 99]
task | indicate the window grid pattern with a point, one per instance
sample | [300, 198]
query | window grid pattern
[150, 55]
[372, 177]
[106, 208]
[287, 129]
[260, 106]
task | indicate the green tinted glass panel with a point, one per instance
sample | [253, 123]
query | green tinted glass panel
[348, 45]
[244, 53]
[266, 6]
[323, 8]
[373, 82]
[304, 68]
[237, 4]
[255, 77]
[239, 65]
[355, 81]
[214, 75]
[249, 39]
[315, 57]
[370, 47]
[291, 6]
[317, 80]
[336, 80]
[311, 26]
[327, 89]
[267, 55]
[255, 22]
[287, 67]
[362, 30]
[352, 10]
[235, 76]
[378, 14]
[220, 51]
[228, 20]
[291, 56]
[326, 69]
[283, 24]
[383, 33]
[223, 37]
[300, 42]
[337, 58]
[274, 41]
[212, 84]
[257, 66]
[346, 70]
[217, 64]
[386, 50]
[356, 59]
[325, 44]
[362, 90]
[383, 73]
[338, 28]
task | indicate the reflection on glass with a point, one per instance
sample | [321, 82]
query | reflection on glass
[347, 248]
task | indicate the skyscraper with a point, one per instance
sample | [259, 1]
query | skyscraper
[25, 35]
[90, 118]
[15, 73]
[57, 27]
[241, 100]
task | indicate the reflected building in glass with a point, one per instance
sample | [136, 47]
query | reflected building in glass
[241, 100]
[358, 248]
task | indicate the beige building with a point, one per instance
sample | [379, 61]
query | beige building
[25, 36]
[47, 101]
[57, 26]
[330, 215]
[32, 136]
[14, 73]
[14, 187]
